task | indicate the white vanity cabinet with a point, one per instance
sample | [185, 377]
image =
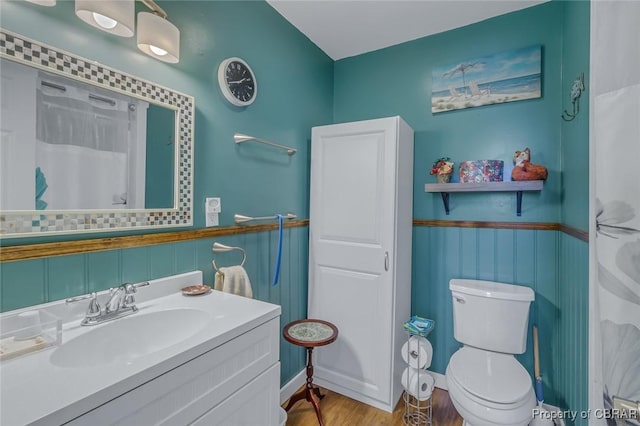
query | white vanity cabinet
[234, 384]
[221, 367]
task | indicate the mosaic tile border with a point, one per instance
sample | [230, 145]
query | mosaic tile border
[21, 224]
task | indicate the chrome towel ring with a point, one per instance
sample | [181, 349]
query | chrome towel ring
[221, 248]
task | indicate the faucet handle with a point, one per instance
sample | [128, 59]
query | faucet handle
[129, 291]
[133, 288]
[94, 309]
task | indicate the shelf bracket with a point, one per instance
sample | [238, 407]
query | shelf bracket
[445, 189]
[445, 201]
[519, 203]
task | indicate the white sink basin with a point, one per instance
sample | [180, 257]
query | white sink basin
[125, 339]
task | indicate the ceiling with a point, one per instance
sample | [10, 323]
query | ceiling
[344, 28]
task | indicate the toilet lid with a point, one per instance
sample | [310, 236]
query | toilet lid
[490, 376]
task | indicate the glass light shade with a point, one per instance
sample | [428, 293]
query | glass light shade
[98, 13]
[43, 2]
[156, 35]
[104, 21]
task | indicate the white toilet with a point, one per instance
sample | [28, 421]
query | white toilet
[487, 385]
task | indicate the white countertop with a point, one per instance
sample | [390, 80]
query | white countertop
[34, 391]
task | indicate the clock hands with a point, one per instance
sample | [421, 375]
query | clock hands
[237, 81]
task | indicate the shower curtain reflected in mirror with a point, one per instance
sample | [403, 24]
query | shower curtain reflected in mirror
[84, 145]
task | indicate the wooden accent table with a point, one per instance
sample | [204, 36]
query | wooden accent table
[310, 333]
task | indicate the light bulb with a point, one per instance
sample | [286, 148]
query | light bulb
[158, 51]
[104, 21]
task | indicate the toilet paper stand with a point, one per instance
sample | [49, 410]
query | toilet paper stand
[416, 412]
[418, 408]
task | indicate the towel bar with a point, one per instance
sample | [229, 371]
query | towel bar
[239, 218]
[240, 138]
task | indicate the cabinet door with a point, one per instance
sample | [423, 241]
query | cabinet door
[351, 250]
[257, 403]
[185, 393]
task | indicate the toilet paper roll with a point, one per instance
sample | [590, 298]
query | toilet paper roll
[417, 352]
[418, 383]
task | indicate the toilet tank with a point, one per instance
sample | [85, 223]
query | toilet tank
[490, 315]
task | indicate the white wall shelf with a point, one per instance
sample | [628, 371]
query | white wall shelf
[512, 186]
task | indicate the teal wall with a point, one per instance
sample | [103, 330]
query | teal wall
[572, 380]
[160, 158]
[397, 81]
[575, 134]
[295, 93]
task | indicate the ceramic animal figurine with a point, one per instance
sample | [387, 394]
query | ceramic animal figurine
[524, 169]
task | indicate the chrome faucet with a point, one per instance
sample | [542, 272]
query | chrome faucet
[122, 302]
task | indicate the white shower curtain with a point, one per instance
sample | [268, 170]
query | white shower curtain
[615, 211]
[84, 140]
[80, 178]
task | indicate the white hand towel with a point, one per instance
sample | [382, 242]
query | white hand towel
[233, 279]
[418, 383]
[417, 352]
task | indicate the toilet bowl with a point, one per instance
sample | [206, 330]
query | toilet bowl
[487, 385]
[489, 388]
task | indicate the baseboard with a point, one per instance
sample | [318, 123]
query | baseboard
[298, 380]
[326, 384]
[441, 381]
[292, 386]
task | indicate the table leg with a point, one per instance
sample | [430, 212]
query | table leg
[316, 406]
[311, 393]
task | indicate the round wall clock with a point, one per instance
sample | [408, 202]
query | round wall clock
[237, 82]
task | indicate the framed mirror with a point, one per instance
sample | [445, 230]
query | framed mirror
[87, 148]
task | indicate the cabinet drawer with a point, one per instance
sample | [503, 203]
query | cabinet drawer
[185, 393]
[256, 403]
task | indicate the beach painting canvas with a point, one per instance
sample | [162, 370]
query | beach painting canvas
[508, 76]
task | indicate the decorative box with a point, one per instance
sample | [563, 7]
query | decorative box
[28, 332]
[479, 171]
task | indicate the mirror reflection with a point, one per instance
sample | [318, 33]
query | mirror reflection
[69, 145]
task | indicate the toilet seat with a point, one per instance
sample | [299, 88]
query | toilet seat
[486, 414]
[492, 379]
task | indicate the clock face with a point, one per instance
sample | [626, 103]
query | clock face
[237, 81]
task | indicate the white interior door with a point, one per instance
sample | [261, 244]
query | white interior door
[351, 242]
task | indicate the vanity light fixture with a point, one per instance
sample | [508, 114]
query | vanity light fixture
[157, 37]
[112, 16]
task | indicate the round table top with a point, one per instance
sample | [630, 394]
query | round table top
[310, 332]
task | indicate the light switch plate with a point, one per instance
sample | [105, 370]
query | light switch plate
[212, 219]
[212, 207]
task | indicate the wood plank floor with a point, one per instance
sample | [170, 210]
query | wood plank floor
[339, 410]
